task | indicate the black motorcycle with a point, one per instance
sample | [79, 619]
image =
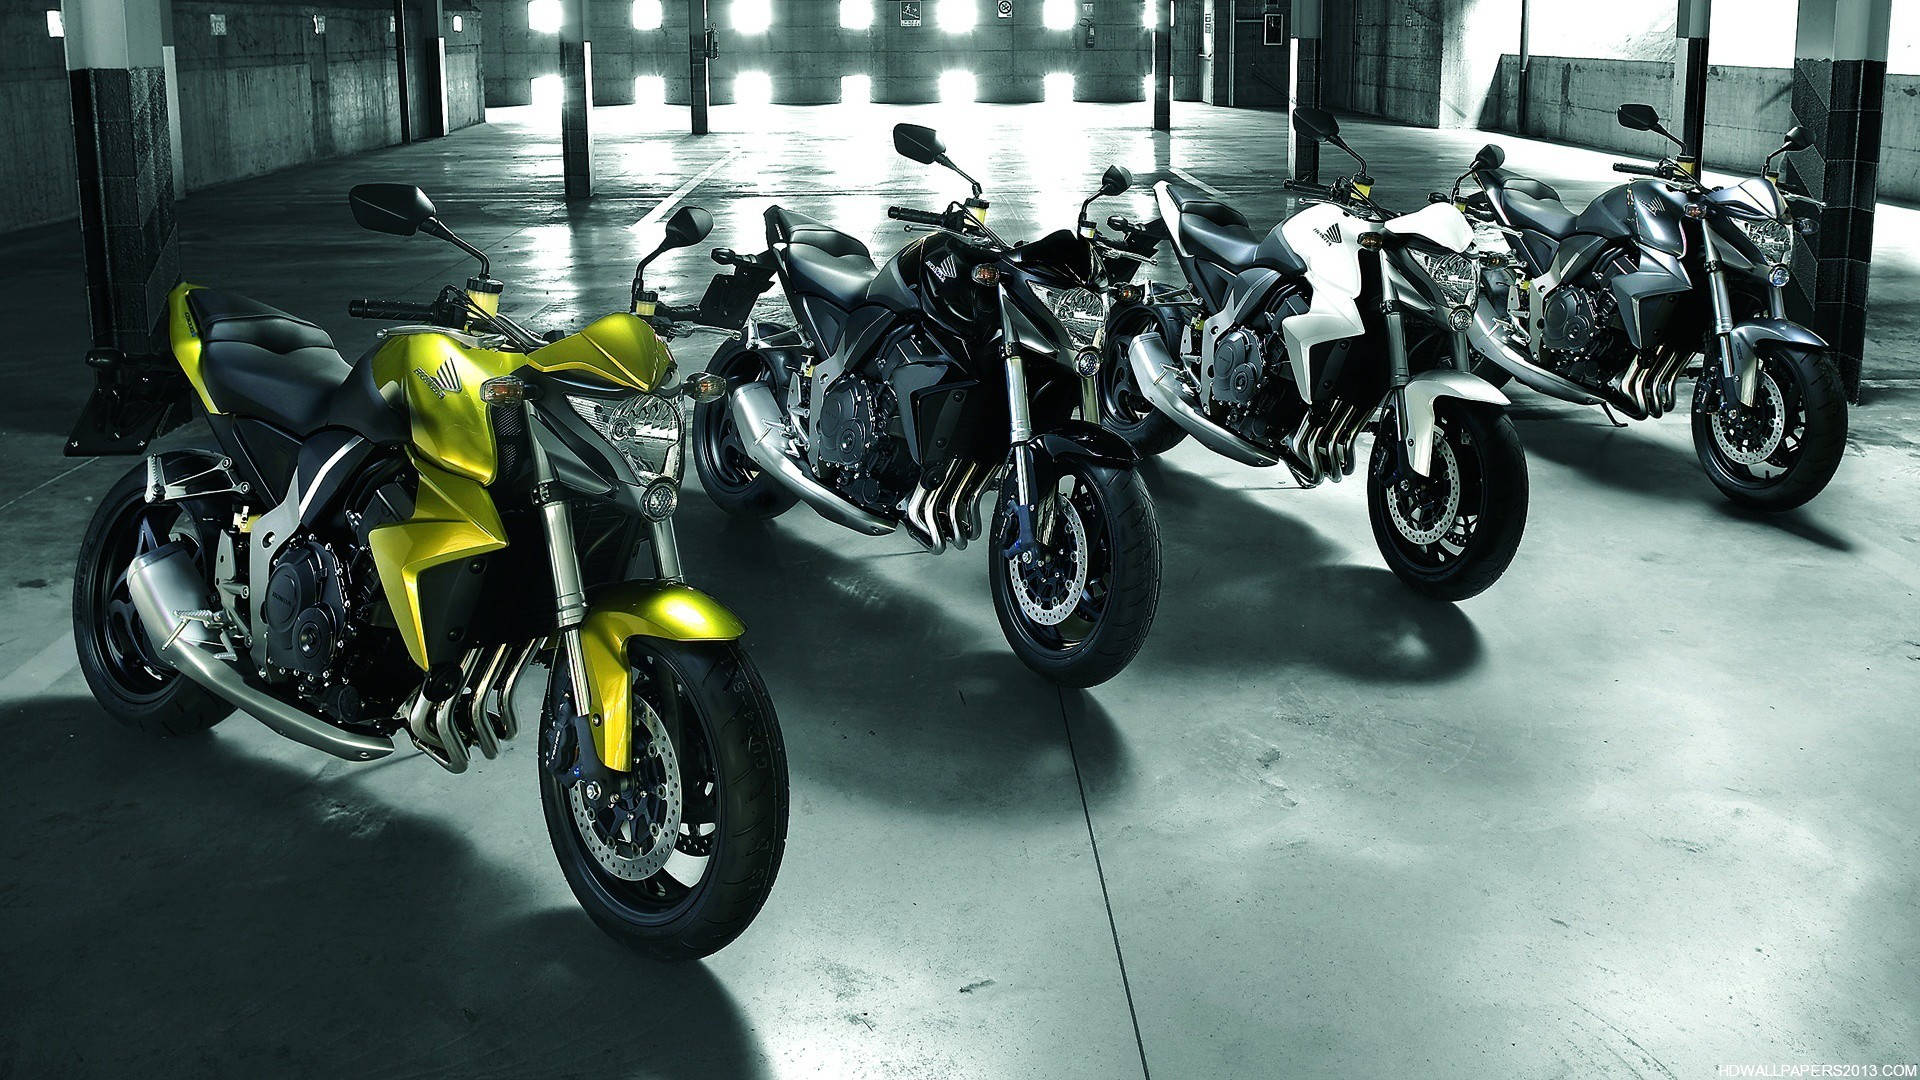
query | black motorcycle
[1616, 302]
[907, 390]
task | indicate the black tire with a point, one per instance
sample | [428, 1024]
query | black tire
[1103, 632]
[733, 769]
[1813, 434]
[1490, 515]
[127, 677]
[732, 481]
[1123, 409]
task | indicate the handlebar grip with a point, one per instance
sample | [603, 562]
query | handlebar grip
[1121, 224]
[1637, 170]
[724, 256]
[918, 217]
[390, 310]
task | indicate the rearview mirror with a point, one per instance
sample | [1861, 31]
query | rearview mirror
[1798, 138]
[1115, 181]
[1638, 117]
[917, 143]
[1315, 123]
[688, 226]
[399, 209]
[1489, 157]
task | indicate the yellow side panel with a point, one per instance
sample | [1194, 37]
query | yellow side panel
[620, 348]
[442, 380]
[654, 609]
[453, 519]
[185, 338]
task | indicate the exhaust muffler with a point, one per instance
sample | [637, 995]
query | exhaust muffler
[1490, 339]
[764, 435]
[183, 622]
[1159, 380]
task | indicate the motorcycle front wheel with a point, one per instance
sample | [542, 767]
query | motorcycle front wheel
[1781, 451]
[732, 771]
[1452, 533]
[1077, 607]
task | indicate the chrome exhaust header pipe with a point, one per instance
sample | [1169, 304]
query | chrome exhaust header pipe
[1490, 340]
[1159, 380]
[184, 625]
[765, 437]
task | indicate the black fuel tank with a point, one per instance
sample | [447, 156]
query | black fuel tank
[1610, 215]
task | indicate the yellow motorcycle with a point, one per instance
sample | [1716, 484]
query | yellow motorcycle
[384, 548]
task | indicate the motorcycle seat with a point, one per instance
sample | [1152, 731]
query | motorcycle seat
[1217, 233]
[1526, 203]
[260, 362]
[820, 260]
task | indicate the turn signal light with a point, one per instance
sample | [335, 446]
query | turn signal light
[986, 274]
[1370, 241]
[504, 390]
[704, 386]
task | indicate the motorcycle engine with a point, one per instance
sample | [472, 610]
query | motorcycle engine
[1237, 363]
[304, 613]
[861, 450]
[1574, 317]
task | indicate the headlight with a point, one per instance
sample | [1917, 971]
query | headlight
[1455, 276]
[1081, 311]
[1772, 237]
[645, 429]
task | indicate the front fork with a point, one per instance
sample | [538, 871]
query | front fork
[1020, 432]
[1735, 385]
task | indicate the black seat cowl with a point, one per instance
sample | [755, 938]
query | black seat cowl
[788, 227]
[261, 362]
[225, 316]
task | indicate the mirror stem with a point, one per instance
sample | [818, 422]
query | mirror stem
[948, 162]
[433, 227]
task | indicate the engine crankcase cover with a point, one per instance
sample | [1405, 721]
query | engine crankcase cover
[305, 610]
[1571, 319]
[1236, 367]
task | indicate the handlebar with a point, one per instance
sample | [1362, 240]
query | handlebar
[1304, 188]
[917, 217]
[675, 313]
[1121, 224]
[390, 310]
[1637, 170]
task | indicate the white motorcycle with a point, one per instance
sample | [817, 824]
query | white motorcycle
[1285, 348]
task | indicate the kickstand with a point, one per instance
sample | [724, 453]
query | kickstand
[1612, 419]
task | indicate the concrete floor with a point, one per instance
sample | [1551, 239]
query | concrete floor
[1644, 808]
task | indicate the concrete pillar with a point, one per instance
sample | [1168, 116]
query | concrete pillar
[404, 70]
[1690, 80]
[1839, 83]
[124, 164]
[1162, 65]
[576, 100]
[697, 73]
[431, 57]
[1303, 155]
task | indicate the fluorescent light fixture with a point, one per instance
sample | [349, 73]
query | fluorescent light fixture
[958, 16]
[1058, 14]
[1147, 14]
[546, 92]
[457, 24]
[1059, 86]
[543, 16]
[856, 14]
[752, 88]
[958, 85]
[646, 14]
[752, 16]
[856, 89]
[55, 27]
[649, 90]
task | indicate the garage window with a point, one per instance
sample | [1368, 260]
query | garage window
[543, 16]
[856, 89]
[752, 16]
[856, 14]
[646, 14]
[957, 16]
[1058, 14]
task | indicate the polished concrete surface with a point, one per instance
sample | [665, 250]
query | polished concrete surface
[1644, 808]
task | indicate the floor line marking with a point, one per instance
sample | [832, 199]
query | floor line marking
[667, 204]
[1199, 183]
[1106, 899]
[40, 671]
[61, 475]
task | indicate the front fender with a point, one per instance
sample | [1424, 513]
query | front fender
[617, 613]
[1741, 374]
[1416, 408]
[1078, 440]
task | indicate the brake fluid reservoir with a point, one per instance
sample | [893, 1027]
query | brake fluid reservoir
[485, 294]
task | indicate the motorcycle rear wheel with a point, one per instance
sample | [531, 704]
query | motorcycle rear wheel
[129, 680]
[733, 775]
[1452, 534]
[729, 478]
[1124, 410]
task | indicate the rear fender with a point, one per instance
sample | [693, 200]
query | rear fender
[1416, 408]
[616, 614]
[1740, 373]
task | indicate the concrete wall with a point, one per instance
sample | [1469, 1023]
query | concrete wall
[36, 122]
[806, 52]
[269, 94]
[1383, 57]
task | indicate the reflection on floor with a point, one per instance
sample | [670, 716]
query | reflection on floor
[1643, 808]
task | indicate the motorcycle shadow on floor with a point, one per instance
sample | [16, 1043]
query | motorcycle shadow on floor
[1248, 588]
[227, 915]
[902, 693]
